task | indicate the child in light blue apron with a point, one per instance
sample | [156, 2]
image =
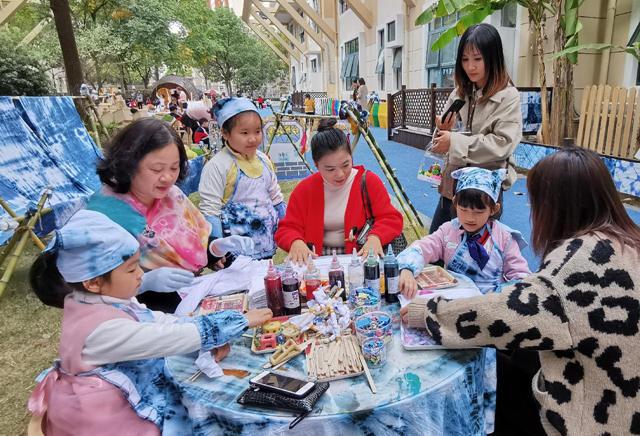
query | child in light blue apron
[111, 377]
[473, 244]
[239, 191]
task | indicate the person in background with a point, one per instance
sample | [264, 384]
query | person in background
[309, 105]
[354, 89]
[140, 99]
[201, 134]
[362, 96]
[491, 116]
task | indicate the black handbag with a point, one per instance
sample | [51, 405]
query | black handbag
[254, 396]
[398, 244]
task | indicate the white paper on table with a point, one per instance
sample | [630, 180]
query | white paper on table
[244, 273]
[451, 294]
[465, 288]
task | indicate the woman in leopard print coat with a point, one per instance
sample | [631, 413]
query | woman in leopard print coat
[580, 311]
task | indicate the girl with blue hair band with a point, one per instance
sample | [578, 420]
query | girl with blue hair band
[473, 244]
[239, 191]
[110, 376]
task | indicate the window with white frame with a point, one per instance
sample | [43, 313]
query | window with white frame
[397, 67]
[344, 7]
[508, 14]
[440, 64]
[380, 60]
[350, 63]
[391, 31]
[314, 65]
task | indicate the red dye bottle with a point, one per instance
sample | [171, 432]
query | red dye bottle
[273, 288]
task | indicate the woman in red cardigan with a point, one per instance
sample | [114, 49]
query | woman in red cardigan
[326, 210]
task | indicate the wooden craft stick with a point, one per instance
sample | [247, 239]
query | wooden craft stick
[372, 385]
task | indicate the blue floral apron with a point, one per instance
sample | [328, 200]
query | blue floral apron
[250, 212]
[150, 390]
[488, 279]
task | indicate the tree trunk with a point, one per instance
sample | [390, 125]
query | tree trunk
[539, 32]
[125, 85]
[562, 101]
[228, 83]
[64, 27]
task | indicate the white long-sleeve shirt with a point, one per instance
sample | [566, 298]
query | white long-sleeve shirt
[121, 339]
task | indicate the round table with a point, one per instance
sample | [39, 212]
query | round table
[419, 392]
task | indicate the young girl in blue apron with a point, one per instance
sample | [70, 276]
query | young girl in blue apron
[110, 377]
[239, 191]
[473, 244]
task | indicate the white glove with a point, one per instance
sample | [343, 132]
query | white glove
[166, 279]
[231, 244]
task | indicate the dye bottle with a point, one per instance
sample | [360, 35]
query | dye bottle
[336, 274]
[311, 278]
[391, 277]
[290, 290]
[355, 271]
[273, 289]
[372, 272]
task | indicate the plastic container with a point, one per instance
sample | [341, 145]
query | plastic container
[363, 300]
[374, 351]
[374, 325]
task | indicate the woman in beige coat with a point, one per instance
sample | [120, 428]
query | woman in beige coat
[491, 116]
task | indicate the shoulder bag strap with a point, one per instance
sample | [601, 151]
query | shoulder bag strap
[368, 212]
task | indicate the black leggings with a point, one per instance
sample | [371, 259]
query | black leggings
[516, 410]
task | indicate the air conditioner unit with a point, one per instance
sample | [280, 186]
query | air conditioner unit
[394, 32]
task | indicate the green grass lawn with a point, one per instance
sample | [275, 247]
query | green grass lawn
[29, 334]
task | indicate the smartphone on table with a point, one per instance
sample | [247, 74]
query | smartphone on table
[282, 384]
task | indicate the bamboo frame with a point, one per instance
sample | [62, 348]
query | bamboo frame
[18, 241]
[278, 117]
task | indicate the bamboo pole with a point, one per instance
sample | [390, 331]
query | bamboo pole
[410, 212]
[21, 235]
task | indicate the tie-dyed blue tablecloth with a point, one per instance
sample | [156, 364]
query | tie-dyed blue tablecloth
[419, 392]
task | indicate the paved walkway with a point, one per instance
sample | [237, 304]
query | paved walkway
[406, 161]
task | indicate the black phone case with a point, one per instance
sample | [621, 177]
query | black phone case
[455, 107]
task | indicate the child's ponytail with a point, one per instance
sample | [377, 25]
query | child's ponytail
[46, 281]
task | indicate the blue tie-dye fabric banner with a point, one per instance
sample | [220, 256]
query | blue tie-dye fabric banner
[44, 144]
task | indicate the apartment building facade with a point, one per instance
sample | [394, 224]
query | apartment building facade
[328, 43]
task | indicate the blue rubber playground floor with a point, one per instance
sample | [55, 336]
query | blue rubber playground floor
[406, 160]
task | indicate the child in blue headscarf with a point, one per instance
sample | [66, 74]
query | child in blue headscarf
[239, 191]
[473, 244]
[110, 376]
